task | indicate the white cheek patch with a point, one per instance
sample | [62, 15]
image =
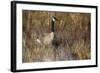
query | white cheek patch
[53, 19]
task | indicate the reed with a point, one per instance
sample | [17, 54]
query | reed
[72, 36]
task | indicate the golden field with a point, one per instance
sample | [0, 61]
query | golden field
[72, 36]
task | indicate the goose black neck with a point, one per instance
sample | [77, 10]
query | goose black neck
[52, 26]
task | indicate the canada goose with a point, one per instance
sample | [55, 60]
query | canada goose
[48, 37]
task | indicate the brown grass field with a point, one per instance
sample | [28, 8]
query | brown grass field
[72, 33]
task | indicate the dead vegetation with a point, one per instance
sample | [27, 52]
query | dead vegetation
[72, 35]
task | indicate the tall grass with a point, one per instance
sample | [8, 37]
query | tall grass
[72, 36]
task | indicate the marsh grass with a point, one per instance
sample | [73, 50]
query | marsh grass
[72, 36]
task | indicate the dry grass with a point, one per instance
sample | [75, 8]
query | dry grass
[72, 34]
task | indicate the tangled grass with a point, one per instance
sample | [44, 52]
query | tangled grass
[72, 34]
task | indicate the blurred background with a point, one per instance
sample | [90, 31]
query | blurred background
[72, 36]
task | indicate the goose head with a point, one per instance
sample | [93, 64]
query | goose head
[52, 24]
[54, 19]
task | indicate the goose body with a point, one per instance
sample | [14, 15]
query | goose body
[49, 37]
